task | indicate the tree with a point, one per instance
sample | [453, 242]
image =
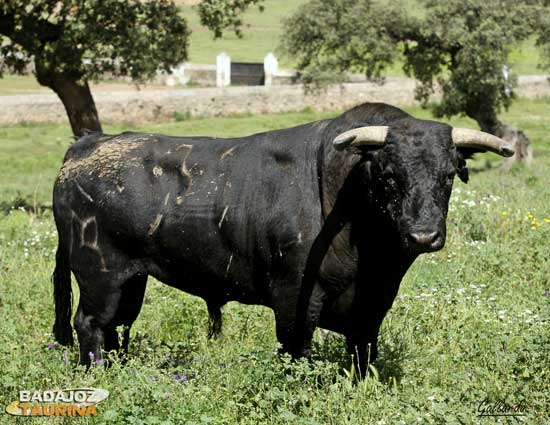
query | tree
[458, 46]
[219, 15]
[75, 41]
[543, 40]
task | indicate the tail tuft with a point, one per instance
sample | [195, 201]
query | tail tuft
[215, 320]
[62, 294]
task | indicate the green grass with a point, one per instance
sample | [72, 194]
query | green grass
[20, 84]
[526, 59]
[470, 322]
[261, 32]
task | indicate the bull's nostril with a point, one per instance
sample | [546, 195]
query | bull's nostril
[424, 238]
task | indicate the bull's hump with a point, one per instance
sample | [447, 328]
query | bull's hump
[104, 156]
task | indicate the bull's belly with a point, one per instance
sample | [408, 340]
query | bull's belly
[335, 323]
[336, 314]
[209, 285]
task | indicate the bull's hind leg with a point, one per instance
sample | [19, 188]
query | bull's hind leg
[96, 308]
[129, 306]
[105, 302]
[111, 287]
[89, 336]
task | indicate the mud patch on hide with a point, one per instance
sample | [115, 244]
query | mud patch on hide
[106, 160]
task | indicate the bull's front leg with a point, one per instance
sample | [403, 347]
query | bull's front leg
[370, 306]
[363, 345]
[297, 311]
[295, 335]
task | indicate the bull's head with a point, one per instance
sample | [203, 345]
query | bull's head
[410, 171]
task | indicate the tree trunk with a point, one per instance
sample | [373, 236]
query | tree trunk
[76, 96]
[490, 124]
[524, 150]
[79, 104]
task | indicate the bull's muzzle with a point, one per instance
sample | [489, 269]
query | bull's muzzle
[426, 241]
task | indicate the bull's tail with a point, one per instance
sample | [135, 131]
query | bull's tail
[215, 320]
[62, 294]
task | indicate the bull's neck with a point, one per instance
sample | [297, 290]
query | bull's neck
[346, 195]
[335, 176]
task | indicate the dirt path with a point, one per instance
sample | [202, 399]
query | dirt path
[125, 103]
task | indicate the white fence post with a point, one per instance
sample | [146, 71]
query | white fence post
[223, 70]
[271, 65]
[177, 76]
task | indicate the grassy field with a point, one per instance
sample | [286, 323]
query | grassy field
[261, 32]
[470, 324]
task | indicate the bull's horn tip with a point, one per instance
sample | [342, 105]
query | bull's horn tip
[507, 150]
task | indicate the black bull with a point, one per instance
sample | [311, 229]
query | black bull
[320, 230]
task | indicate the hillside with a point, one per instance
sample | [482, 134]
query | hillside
[261, 33]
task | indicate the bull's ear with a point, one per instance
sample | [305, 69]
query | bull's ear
[462, 167]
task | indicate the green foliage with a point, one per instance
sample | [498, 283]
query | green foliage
[219, 15]
[470, 322]
[464, 45]
[543, 40]
[328, 38]
[87, 38]
[460, 46]
[182, 116]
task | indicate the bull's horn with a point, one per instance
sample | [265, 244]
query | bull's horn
[362, 136]
[467, 138]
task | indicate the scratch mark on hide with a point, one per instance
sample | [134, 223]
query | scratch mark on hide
[157, 171]
[83, 226]
[228, 265]
[83, 192]
[184, 170]
[155, 225]
[166, 198]
[94, 244]
[223, 217]
[73, 215]
[227, 153]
